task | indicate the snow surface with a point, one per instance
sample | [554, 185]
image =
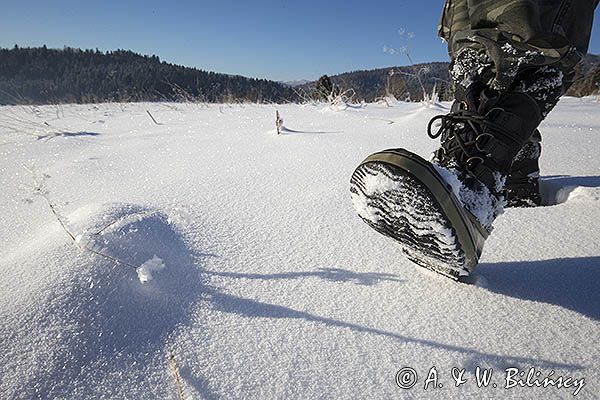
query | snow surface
[273, 286]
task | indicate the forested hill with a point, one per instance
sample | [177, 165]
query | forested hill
[41, 75]
[402, 82]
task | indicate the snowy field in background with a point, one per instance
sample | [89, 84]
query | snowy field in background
[244, 272]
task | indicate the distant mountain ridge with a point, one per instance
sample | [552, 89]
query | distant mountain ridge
[296, 83]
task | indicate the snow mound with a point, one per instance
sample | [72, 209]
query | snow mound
[561, 189]
[584, 194]
[99, 318]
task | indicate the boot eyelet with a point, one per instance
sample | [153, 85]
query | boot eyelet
[478, 143]
[473, 162]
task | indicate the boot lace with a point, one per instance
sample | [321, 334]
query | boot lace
[465, 135]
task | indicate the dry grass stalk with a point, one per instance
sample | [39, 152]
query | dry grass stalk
[152, 117]
[175, 371]
[278, 122]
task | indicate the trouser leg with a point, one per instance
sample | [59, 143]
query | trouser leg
[517, 35]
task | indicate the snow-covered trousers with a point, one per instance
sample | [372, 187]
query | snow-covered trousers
[511, 36]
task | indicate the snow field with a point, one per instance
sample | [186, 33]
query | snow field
[272, 287]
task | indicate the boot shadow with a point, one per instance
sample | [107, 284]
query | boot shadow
[572, 283]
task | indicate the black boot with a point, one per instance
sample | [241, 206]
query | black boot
[481, 141]
[522, 185]
[442, 212]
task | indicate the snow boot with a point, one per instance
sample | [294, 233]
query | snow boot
[441, 212]
[522, 185]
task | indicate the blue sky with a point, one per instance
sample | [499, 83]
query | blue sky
[274, 39]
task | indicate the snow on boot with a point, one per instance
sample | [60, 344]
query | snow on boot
[522, 185]
[441, 212]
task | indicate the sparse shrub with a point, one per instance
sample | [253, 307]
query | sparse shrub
[324, 87]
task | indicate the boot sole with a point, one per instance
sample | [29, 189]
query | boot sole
[402, 196]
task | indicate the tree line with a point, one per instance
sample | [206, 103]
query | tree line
[40, 75]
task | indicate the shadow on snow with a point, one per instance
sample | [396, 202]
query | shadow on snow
[55, 135]
[572, 283]
[114, 319]
[329, 274]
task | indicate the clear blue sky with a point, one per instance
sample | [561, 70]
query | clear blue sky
[274, 39]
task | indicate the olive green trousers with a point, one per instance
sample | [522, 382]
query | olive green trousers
[518, 35]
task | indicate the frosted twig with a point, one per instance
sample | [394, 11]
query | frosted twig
[39, 190]
[121, 219]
